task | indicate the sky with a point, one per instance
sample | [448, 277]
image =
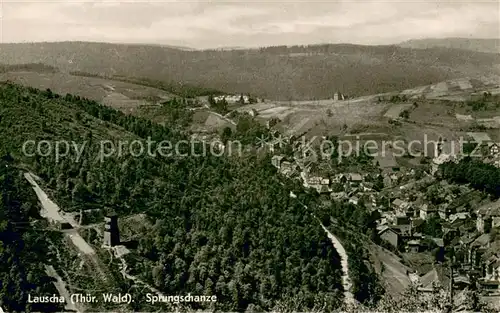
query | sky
[248, 23]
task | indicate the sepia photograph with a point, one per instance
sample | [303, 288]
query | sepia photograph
[285, 156]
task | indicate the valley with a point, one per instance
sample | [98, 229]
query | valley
[281, 225]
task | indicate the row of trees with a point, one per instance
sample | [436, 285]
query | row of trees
[481, 176]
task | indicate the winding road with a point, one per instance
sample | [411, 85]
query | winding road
[349, 299]
[346, 280]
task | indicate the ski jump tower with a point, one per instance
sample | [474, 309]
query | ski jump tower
[111, 232]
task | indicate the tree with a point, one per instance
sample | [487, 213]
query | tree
[404, 114]
[433, 227]
[211, 100]
[226, 134]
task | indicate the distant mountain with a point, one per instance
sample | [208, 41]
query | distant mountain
[281, 72]
[473, 44]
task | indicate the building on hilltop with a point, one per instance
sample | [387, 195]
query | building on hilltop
[338, 96]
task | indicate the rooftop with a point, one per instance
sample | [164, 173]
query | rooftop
[479, 136]
[490, 209]
[482, 240]
[386, 161]
[355, 177]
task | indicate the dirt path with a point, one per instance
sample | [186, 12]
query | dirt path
[346, 280]
[224, 118]
[61, 288]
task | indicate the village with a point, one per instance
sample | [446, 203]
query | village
[421, 216]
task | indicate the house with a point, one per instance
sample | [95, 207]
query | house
[371, 201]
[355, 179]
[444, 211]
[387, 181]
[441, 159]
[390, 235]
[426, 211]
[276, 160]
[403, 224]
[439, 242]
[288, 169]
[321, 188]
[417, 225]
[488, 216]
[494, 150]
[477, 248]
[413, 246]
[367, 186]
[387, 162]
[461, 282]
[338, 96]
[492, 269]
[493, 155]
[481, 241]
[233, 98]
[354, 200]
[400, 206]
[417, 236]
[322, 185]
[276, 143]
[462, 216]
[340, 178]
[490, 266]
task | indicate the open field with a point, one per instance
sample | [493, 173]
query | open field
[438, 105]
[365, 114]
[396, 109]
[120, 95]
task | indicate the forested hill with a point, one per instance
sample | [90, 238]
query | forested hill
[21, 247]
[222, 226]
[491, 45]
[298, 72]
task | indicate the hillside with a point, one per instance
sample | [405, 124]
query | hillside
[473, 44]
[212, 216]
[281, 73]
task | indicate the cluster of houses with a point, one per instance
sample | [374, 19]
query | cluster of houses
[469, 232]
[487, 150]
[467, 226]
[243, 99]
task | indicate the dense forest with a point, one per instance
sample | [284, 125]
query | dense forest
[21, 246]
[481, 176]
[222, 225]
[281, 73]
